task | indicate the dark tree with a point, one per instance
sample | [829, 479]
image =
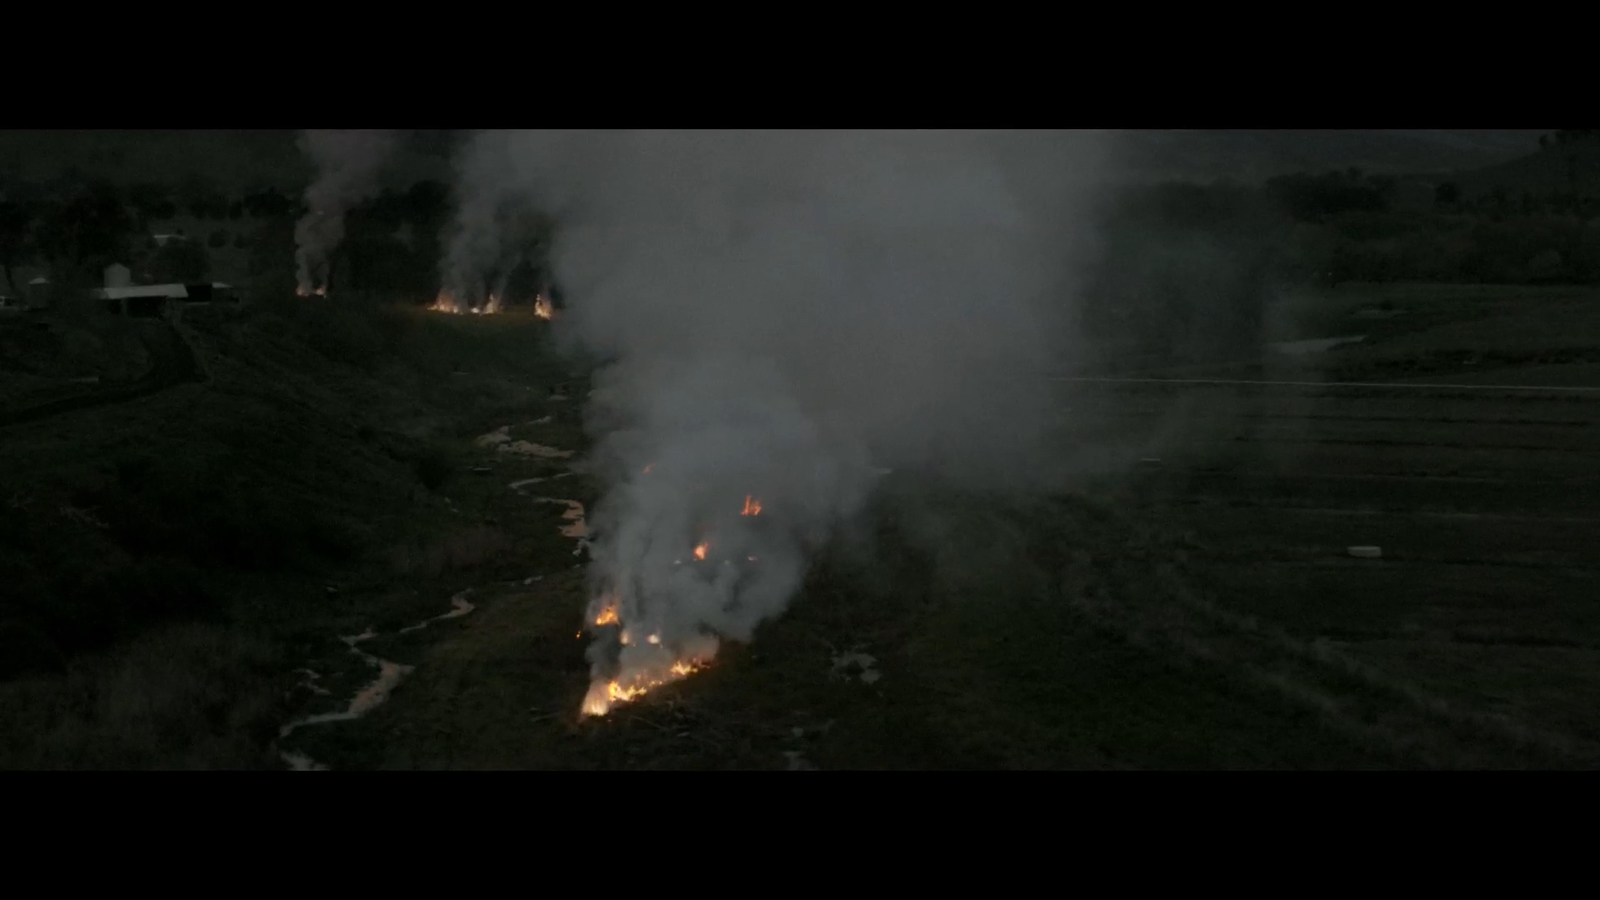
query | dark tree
[428, 204]
[1313, 197]
[16, 245]
[92, 229]
[268, 204]
[151, 201]
[179, 261]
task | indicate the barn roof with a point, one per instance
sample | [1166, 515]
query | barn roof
[175, 291]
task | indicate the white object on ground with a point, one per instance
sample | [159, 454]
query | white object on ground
[498, 436]
[523, 448]
[1317, 345]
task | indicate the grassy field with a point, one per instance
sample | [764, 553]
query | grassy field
[1189, 603]
[1198, 610]
[173, 558]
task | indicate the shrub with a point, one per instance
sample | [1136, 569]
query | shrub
[434, 467]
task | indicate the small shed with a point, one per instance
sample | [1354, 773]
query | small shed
[215, 291]
[144, 301]
[38, 292]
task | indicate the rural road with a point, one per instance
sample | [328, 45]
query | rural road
[173, 362]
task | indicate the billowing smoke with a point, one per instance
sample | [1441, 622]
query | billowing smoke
[495, 230]
[348, 165]
[789, 315]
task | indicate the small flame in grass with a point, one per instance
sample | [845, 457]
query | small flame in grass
[607, 616]
[445, 303]
[700, 550]
[542, 308]
[603, 695]
[752, 506]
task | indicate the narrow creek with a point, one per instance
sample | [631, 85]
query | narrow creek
[390, 673]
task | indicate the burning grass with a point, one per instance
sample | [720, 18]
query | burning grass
[448, 302]
[626, 669]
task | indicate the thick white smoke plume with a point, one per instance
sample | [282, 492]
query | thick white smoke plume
[788, 312]
[348, 165]
[495, 229]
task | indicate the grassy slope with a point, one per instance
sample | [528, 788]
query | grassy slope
[1057, 632]
[206, 523]
[1051, 632]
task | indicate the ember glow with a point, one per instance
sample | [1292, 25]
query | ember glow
[446, 302]
[752, 506]
[542, 308]
[603, 695]
[628, 668]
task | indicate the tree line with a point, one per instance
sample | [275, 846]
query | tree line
[75, 227]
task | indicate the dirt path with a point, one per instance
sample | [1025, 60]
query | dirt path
[174, 362]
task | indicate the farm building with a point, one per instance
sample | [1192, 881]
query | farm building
[147, 300]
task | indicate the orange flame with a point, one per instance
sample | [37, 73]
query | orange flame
[752, 506]
[542, 308]
[445, 303]
[603, 695]
[607, 616]
[700, 550]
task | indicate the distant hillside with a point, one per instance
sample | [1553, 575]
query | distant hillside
[1571, 168]
[236, 162]
[1258, 154]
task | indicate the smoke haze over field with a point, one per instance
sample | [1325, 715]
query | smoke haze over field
[787, 311]
[348, 164]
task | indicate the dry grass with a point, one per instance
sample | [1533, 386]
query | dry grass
[457, 550]
[184, 697]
